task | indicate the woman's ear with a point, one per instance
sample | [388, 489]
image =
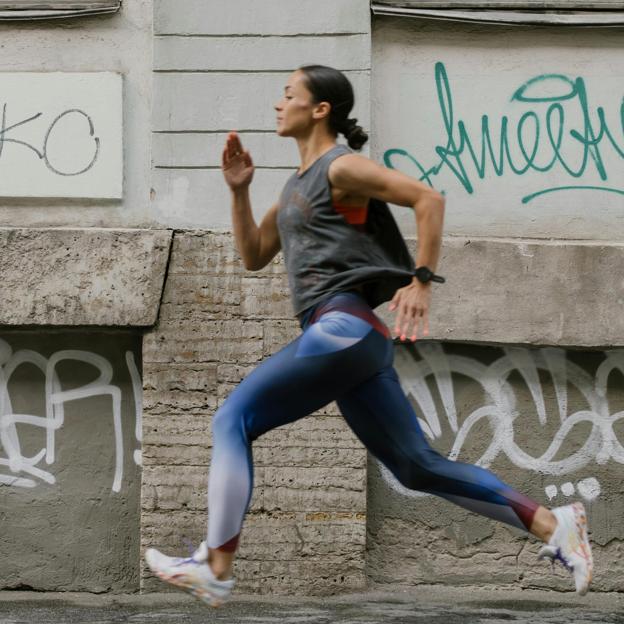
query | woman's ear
[322, 109]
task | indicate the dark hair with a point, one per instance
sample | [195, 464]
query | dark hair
[327, 84]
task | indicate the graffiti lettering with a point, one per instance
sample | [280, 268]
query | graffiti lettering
[534, 135]
[55, 399]
[501, 411]
[54, 131]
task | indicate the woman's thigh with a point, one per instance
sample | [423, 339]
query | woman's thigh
[334, 354]
[382, 417]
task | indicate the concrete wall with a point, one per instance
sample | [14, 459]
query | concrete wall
[220, 66]
[122, 43]
[70, 431]
[70, 451]
[547, 421]
[217, 322]
[533, 257]
[82, 277]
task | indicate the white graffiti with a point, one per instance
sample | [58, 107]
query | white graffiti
[504, 416]
[588, 488]
[551, 491]
[137, 391]
[55, 399]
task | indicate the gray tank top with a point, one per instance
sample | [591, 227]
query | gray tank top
[325, 254]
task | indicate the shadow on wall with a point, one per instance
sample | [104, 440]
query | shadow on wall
[70, 439]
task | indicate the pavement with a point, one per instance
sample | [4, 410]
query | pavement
[417, 605]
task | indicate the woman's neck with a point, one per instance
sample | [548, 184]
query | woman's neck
[312, 147]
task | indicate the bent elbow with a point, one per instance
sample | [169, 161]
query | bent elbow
[432, 201]
[439, 199]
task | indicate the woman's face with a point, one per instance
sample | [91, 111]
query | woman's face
[295, 109]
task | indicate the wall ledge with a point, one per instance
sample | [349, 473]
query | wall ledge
[528, 292]
[505, 17]
[82, 277]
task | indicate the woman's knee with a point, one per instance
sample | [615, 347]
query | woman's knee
[424, 471]
[227, 422]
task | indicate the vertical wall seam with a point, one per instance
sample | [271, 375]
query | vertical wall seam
[165, 278]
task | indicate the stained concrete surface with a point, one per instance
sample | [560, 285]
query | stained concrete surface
[424, 604]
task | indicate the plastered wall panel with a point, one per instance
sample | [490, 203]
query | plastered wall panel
[272, 17]
[261, 53]
[70, 458]
[71, 125]
[223, 101]
[519, 127]
[119, 43]
[545, 420]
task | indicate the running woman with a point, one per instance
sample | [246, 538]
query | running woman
[344, 256]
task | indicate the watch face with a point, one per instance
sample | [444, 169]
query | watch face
[423, 274]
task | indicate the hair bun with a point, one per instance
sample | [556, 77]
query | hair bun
[355, 135]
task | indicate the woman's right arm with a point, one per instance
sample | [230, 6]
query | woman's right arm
[256, 245]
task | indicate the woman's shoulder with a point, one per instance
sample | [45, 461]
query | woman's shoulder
[347, 163]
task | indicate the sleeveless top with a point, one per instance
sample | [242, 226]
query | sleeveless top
[325, 253]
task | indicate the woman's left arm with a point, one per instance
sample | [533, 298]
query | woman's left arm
[361, 176]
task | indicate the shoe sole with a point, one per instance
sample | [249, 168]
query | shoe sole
[584, 550]
[580, 518]
[183, 582]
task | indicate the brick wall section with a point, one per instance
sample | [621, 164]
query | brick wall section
[305, 531]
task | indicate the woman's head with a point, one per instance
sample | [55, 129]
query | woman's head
[325, 95]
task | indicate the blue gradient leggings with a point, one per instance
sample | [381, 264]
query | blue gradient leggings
[344, 354]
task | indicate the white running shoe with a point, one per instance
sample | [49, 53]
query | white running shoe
[192, 574]
[570, 546]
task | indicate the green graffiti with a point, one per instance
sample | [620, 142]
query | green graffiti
[460, 154]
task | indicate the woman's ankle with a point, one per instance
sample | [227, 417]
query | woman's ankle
[222, 573]
[221, 564]
[544, 524]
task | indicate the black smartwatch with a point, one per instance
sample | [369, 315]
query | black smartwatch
[425, 274]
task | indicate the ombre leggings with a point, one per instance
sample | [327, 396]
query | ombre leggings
[344, 354]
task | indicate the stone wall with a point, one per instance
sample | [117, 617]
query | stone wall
[305, 528]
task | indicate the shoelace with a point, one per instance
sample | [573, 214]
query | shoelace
[191, 548]
[562, 560]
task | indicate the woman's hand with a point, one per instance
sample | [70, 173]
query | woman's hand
[412, 303]
[236, 163]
